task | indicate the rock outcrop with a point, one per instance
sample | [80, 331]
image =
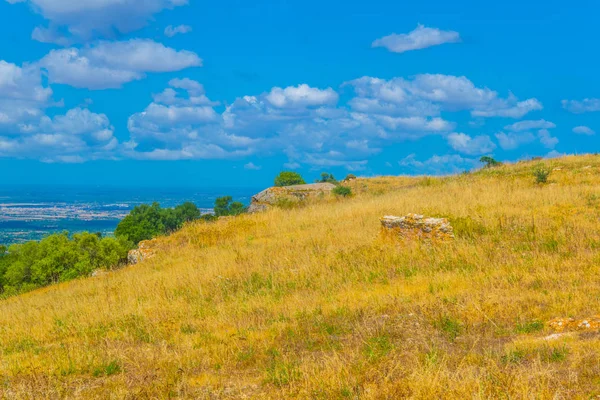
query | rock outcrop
[415, 226]
[571, 324]
[145, 250]
[288, 194]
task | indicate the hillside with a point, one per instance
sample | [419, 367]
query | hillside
[313, 303]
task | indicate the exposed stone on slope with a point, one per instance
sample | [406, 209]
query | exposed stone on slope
[415, 226]
[571, 324]
[295, 194]
[146, 249]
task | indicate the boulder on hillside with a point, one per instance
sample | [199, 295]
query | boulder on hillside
[145, 250]
[415, 226]
[295, 194]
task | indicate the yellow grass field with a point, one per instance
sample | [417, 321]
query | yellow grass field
[315, 303]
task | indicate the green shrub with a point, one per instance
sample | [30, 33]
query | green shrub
[541, 173]
[350, 177]
[289, 178]
[342, 191]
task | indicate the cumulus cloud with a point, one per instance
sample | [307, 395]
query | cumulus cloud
[529, 125]
[583, 106]
[547, 139]
[76, 136]
[301, 96]
[309, 126]
[470, 145]
[438, 165]
[252, 166]
[512, 140]
[107, 65]
[181, 123]
[421, 37]
[71, 21]
[23, 97]
[171, 30]
[583, 130]
[509, 108]
[430, 94]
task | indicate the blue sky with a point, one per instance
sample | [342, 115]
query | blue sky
[189, 93]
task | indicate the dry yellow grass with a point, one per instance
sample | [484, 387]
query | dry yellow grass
[312, 303]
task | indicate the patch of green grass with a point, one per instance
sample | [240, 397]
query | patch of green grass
[529, 327]
[112, 368]
[377, 347]
[188, 329]
[467, 227]
[280, 372]
[555, 354]
[514, 356]
[450, 326]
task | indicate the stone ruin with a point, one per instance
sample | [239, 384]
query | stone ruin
[415, 226]
[292, 194]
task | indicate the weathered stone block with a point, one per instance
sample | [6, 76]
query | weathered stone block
[415, 226]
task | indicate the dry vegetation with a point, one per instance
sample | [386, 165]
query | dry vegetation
[313, 303]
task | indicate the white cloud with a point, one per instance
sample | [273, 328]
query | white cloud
[307, 124]
[509, 108]
[23, 97]
[301, 96]
[111, 64]
[171, 30]
[554, 154]
[512, 140]
[583, 106]
[583, 130]
[547, 139]
[78, 20]
[76, 136]
[438, 165]
[470, 145]
[529, 125]
[430, 94]
[421, 37]
[181, 123]
[292, 165]
[252, 166]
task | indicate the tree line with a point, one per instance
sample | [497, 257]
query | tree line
[61, 256]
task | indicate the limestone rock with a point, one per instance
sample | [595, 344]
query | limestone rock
[571, 324]
[415, 226]
[145, 250]
[295, 194]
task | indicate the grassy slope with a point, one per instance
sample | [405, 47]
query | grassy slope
[312, 303]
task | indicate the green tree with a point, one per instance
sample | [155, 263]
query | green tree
[225, 206]
[327, 178]
[489, 162]
[58, 258]
[289, 178]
